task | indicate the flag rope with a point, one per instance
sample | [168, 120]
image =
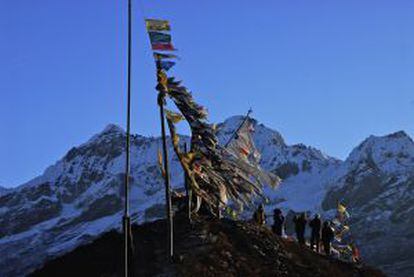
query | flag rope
[238, 129]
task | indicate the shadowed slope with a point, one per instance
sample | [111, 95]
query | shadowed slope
[204, 248]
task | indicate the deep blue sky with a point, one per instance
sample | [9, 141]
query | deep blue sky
[325, 73]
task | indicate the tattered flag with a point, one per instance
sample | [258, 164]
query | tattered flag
[173, 116]
[215, 173]
[162, 80]
[160, 163]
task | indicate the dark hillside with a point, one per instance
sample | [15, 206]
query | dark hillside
[204, 248]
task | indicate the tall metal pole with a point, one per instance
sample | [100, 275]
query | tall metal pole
[170, 230]
[126, 218]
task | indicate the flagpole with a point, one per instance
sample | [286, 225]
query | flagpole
[238, 129]
[188, 189]
[170, 230]
[126, 218]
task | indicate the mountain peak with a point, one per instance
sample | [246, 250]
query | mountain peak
[390, 140]
[110, 129]
[398, 135]
[389, 152]
[233, 122]
[113, 128]
[262, 134]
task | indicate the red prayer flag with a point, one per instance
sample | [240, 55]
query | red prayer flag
[163, 47]
[244, 151]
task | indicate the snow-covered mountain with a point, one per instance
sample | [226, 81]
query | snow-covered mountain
[378, 184]
[80, 196]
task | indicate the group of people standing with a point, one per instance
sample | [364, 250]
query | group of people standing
[319, 232]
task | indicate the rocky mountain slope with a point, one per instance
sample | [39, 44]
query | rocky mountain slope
[207, 247]
[79, 197]
[3, 190]
[378, 185]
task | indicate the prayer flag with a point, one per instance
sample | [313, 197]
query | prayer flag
[158, 37]
[162, 79]
[160, 163]
[166, 65]
[173, 116]
[163, 47]
[160, 56]
[341, 208]
[157, 25]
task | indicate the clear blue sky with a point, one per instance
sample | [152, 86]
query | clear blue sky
[325, 73]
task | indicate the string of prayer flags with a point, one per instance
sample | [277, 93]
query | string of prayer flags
[214, 173]
[345, 243]
[157, 25]
[160, 38]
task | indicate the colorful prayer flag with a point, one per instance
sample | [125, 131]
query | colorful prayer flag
[158, 37]
[157, 25]
[166, 65]
[162, 46]
[160, 56]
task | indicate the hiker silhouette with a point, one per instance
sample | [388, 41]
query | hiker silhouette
[327, 237]
[259, 216]
[300, 227]
[315, 225]
[278, 222]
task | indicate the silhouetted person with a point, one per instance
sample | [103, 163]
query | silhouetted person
[315, 225]
[278, 222]
[327, 237]
[300, 226]
[259, 216]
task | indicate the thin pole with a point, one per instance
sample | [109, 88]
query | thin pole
[126, 218]
[170, 230]
[238, 129]
[187, 189]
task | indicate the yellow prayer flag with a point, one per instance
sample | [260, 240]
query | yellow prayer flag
[341, 208]
[162, 79]
[157, 25]
[160, 163]
[173, 116]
